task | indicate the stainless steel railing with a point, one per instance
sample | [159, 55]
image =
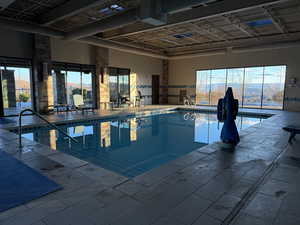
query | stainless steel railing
[42, 118]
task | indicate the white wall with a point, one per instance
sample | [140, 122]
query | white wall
[16, 44]
[183, 72]
[72, 52]
[144, 67]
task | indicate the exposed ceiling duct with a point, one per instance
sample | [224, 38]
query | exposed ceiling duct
[201, 13]
[30, 28]
[126, 18]
[175, 6]
[35, 29]
[237, 50]
[116, 46]
[66, 10]
[153, 12]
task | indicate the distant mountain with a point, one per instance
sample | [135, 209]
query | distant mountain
[24, 84]
[253, 86]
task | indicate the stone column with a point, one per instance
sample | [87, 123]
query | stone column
[164, 82]
[42, 73]
[59, 83]
[8, 89]
[102, 77]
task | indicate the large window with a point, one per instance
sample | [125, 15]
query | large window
[119, 85]
[15, 86]
[70, 79]
[254, 87]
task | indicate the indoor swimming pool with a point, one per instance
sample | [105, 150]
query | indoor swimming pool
[134, 145]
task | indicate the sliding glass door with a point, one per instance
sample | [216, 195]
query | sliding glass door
[68, 82]
[15, 89]
[218, 81]
[254, 87]
[119, 84]
[73, 85]
[203, 87]
[273, 88]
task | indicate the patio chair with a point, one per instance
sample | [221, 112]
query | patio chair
[293, 130]
[188, 101]
[124, 101]
[139, 99]
[79, 104]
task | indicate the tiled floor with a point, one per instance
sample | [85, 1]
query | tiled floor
[256, 184]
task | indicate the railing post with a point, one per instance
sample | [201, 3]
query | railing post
[42, 118]
[20, 128]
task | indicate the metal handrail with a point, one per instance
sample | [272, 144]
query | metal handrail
[42, 118]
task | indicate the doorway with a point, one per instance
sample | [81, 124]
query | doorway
[155, 89]
[15, 89]
[119, 84]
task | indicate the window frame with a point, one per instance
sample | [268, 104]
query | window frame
[82, 69]
[118, 74]
[241, 105]
[17, 62]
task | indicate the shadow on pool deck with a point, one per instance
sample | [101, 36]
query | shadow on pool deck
[203, 187]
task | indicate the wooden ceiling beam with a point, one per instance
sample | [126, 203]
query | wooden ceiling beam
[278, 24]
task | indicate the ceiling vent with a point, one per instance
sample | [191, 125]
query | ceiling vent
[260, 23]
[111, 9]
[181, 36]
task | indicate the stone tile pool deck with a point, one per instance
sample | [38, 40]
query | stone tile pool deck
[258, 184]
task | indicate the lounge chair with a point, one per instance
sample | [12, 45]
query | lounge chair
[79, 104]
[139, 99]
[188, 101]
[124, 101]
[293, 130]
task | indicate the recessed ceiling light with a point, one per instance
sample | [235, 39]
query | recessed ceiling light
[112, 8]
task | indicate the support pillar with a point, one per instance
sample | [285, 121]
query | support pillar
[42, 74]
[59, 83]
[102, 78]
[165, 82]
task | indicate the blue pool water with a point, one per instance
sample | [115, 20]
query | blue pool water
[132, 146]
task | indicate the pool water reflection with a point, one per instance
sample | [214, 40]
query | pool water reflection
[132, 146]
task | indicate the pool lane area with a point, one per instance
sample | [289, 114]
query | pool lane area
[133, 145]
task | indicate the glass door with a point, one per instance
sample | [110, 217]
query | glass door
[68, 83]
[119, 84]
[16, 89]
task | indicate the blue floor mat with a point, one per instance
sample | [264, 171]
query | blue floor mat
[20, 184]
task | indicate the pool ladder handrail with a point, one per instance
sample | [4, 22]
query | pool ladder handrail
[42, 118]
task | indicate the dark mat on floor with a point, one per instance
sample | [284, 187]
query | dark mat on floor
[20, 184]
[290, 161]
[6, 121]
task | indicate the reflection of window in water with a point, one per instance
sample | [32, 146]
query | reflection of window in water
[53, 138]
[208, 129]
[118, 133]
[105, 134]
[133, 129]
